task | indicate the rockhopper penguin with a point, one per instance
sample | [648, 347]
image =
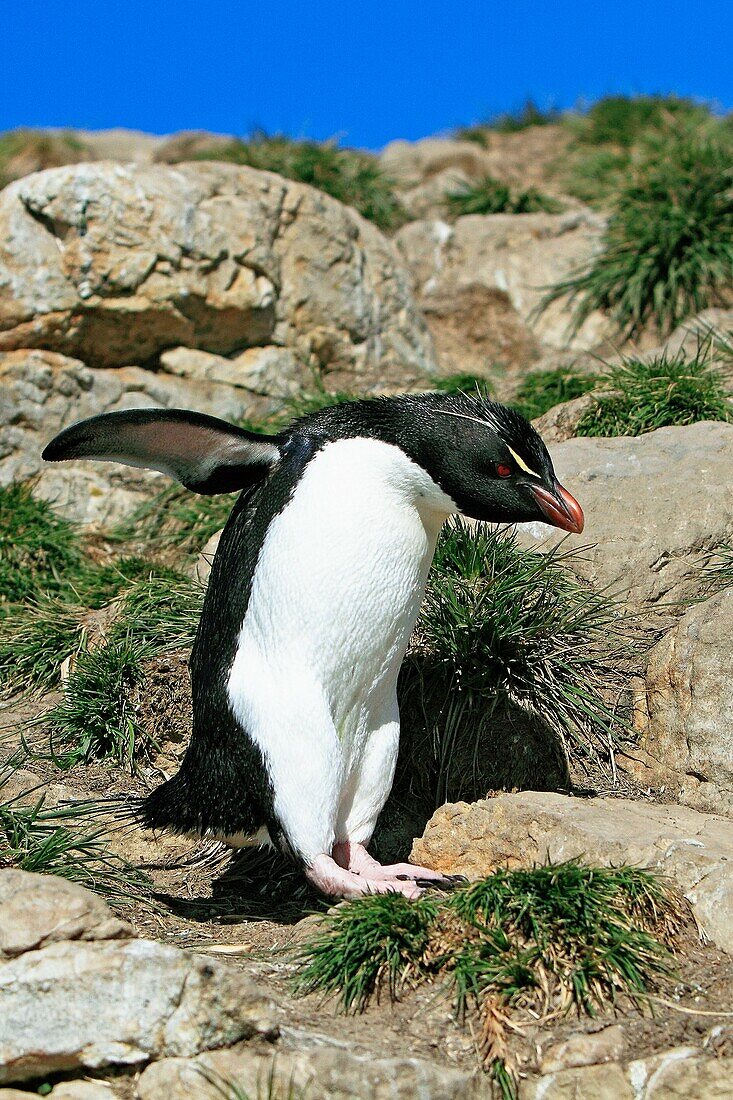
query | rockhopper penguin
[313, 595]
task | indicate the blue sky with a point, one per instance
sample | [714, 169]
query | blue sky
[364, 71]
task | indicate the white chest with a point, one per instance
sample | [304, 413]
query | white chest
[341, 575]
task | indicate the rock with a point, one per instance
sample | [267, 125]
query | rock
[694, 849]
[589, 1083]
[36, 910]
[42, 392]
[265, 372]
[560, 422]
[652, 504]
[81, 1090]
[512, 260]
[202, 568]
[682, 1074]
[92, 1005]
[321, 1068]
[588, 1049]
[116, 264]
[685, 716]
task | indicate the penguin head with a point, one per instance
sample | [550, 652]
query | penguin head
[490, 460]
[486, 458]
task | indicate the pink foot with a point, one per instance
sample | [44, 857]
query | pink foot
[339, 882]
[355, 857]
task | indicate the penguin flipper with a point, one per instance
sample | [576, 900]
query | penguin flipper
[205, 454]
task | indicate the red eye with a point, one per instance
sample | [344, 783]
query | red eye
[504, 471]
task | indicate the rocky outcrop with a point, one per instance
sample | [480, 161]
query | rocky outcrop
[652, 504]
[328, 1070]
[506, 262]
[511, 830]
[42, 392]
[685, 712]
[114, 264]
[78, 991]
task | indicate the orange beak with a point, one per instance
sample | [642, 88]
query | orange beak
[561, 509]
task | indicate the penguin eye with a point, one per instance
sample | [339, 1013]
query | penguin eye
[503, 470]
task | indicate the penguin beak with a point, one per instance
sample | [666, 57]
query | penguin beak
[561, 509]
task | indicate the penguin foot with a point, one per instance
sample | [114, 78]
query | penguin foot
[355, 857]
[338, 882]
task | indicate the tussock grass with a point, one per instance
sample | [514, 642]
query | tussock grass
[545, 940]
[717, 570]
[273, 1088]
[542, 390]
[462, 383]
[353, 177]
[490, 196]
[38, 549]
[96, 718]
[625, 120]
[505, 630]
[36, 641]
[665, 391]
[55, 841]
[509, 122]
[668, 248]
[175, 519]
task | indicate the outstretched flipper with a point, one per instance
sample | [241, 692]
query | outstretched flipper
[204, 453]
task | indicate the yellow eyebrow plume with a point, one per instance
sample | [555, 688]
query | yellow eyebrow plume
[521, 463]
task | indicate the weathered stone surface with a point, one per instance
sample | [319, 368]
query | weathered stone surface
[115, 264]
[320, 1067]
[688, 724]
[36, 910]
[589, 1083]
[265, 372]
[560, 423]
[42, 392]
[694, 849]
[92, 1005]
[513, 258]
[678, 1074]
[587, 1049]
[652, 504]
[681, 1074]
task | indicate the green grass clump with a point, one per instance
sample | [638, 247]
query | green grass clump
[38, 549]
[505, 630]
[539, 941]
[542, 390]
[461, 383]
[509, 122]
[668, 248]
[625, 120]
[175, 519]
[55, 841]
[97, 719]
[490, 196]
[36, 641]
[353, 177]
[668, 390]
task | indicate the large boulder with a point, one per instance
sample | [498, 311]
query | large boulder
[517, 830]
[72, 997]
[113, 264]
[506, 263]
[652, 504]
